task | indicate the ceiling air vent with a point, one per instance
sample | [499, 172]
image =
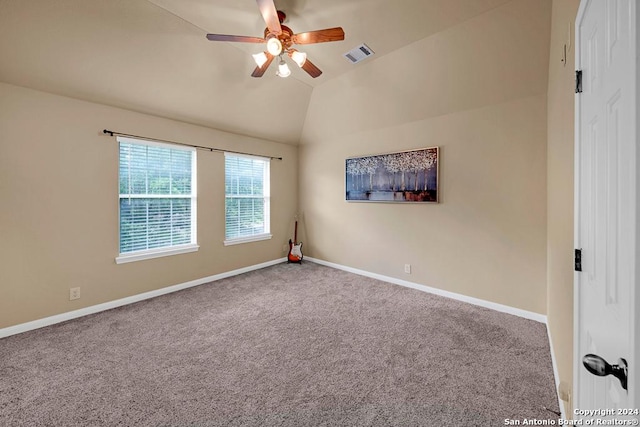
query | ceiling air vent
[359, 53]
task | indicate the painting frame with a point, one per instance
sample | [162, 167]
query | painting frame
[410, 176]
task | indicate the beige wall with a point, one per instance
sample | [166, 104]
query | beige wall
[478, 91]
[59, 209]
[560, 124]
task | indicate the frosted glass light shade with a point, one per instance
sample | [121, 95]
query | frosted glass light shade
[283, 69]
[274, 47]
[299, 57]
[260, 58]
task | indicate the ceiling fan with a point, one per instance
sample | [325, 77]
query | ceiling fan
[279, 40]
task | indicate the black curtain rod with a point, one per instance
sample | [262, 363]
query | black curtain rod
[200, 147]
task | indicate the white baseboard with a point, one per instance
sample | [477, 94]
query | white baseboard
[63, 317]
[556, 376]
[475, 301]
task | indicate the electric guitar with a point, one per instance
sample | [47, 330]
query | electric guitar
[295, 248]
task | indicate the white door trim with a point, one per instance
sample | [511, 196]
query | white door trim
[576, 213]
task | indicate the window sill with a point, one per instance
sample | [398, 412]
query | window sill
[156, 253]
[241, 240]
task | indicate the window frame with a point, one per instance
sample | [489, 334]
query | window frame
[266, 198]
[138, 255]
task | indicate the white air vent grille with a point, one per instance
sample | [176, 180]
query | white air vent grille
[358, 53]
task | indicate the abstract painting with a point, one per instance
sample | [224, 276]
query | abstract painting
[406, 176]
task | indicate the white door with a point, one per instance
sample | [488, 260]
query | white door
[606, 214]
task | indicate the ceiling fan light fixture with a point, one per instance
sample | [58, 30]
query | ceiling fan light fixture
[283, 69]
[274, 46]
[298, 57]
[279, 40]
[260, 58]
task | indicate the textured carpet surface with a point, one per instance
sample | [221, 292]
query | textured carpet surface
[289, 345]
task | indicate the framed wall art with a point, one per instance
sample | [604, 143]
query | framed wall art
[402, 177]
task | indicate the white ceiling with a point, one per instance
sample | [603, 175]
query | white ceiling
[152, 55]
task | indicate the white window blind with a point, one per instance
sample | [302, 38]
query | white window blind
[157, 197]
[247, 198]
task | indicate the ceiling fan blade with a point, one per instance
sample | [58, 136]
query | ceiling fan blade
[259, 71]
[311, 69]
[230, 38]
[270, 15]
[319, 36]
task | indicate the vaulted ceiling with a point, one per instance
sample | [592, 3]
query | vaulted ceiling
[152, 56]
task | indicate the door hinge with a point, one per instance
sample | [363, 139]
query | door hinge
[577, 260]
[578, 81]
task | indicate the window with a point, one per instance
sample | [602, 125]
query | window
[157, 200]
[246, 199]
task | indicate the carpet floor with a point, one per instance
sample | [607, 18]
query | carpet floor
[288, 345]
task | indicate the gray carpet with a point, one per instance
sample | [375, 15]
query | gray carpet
[289, 345]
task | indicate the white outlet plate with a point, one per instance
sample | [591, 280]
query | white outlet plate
[74, 293]
[407, 268]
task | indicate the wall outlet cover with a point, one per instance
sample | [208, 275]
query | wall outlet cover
[74, 293]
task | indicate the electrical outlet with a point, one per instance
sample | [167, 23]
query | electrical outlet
[407, 268]
[74, 293]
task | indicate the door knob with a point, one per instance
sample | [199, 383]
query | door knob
[598, 366]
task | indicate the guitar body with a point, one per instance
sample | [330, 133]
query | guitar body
[295, 252]
[295, 248]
